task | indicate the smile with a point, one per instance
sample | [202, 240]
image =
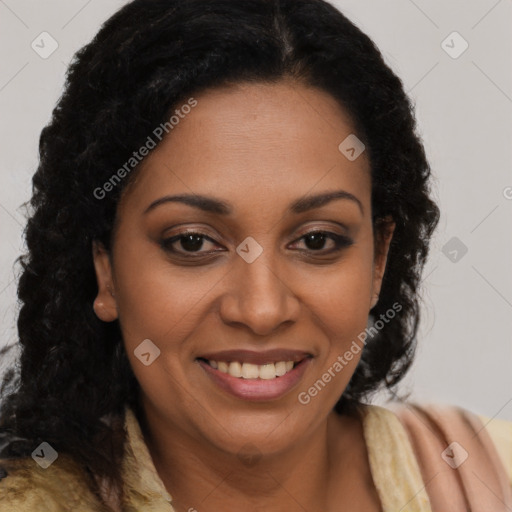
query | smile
[255, 382]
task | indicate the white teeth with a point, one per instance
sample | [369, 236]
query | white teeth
[267, 371]
[281, 368]
[250, 371]
[235, 369]
[253, 371]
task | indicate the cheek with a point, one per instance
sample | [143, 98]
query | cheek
[157, 300]
[343, 299]
[342, 307]
[160, 303]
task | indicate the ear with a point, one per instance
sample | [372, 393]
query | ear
[105, 305]
[384, 229]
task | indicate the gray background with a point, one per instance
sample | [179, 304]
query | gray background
[464, 110]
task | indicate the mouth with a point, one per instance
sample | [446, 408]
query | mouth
[256, 376]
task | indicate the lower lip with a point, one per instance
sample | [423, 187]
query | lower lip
[257, 389]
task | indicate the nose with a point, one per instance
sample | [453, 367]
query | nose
[258, 298]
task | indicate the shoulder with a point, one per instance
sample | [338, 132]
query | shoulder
[464, 448]
[500, 432]
[26, 487]
[452, 422]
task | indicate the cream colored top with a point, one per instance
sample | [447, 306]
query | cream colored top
[62, 486]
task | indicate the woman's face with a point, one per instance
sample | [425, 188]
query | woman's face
[265, 158]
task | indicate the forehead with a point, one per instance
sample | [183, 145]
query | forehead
[266, 142]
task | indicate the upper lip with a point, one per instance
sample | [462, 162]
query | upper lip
[255, 357]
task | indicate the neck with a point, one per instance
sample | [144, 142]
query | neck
[200, 476]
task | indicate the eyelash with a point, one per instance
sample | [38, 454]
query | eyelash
[341, 242]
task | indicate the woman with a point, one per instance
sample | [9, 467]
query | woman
[230, 219]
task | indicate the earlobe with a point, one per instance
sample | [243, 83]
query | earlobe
[104, 312]
[105, 305]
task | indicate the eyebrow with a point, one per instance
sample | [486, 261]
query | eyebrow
[216, 206]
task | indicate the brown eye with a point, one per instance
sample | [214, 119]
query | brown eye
[315, 241]
[183, 243]
[191, 242]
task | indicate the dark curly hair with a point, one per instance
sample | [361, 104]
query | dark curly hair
[148, 57]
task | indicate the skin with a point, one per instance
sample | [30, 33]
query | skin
[258, 147]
